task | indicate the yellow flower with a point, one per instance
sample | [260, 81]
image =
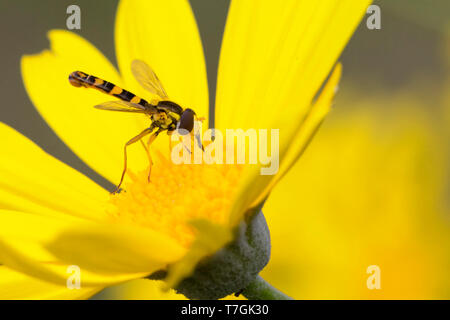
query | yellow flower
[274, 59]
[373, 189]
[383, 204]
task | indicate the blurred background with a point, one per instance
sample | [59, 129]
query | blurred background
[372, 189]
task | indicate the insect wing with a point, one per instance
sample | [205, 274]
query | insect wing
[123, 106]
[147, 78]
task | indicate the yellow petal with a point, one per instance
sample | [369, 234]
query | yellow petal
[113, 248]
[164, 34]
[307, 129]
[96, 136]
[34, 181]
[256, 187]
[305, 132]
[275, 56]
[210, 238]
[17, 286]
[105, 253]
[23, 238]
[274, 59]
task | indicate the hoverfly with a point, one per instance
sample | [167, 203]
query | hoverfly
[164, 114]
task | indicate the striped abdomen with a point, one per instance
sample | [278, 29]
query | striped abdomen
[81, 79]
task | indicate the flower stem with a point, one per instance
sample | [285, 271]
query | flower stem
[260, 289]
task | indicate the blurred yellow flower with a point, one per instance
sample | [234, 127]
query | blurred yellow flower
[372, 189]
[273, 61]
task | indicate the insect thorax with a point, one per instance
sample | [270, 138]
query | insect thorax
[168, 115]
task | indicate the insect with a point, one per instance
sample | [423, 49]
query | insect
[164, 114]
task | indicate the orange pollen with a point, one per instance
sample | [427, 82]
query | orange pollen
[176, 195]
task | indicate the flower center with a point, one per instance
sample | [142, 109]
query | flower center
[175, 195]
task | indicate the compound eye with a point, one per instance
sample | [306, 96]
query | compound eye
[186, 121]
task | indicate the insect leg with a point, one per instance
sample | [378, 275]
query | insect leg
[131, 141]
[150, 141]
[197, 134]
[144, 144]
